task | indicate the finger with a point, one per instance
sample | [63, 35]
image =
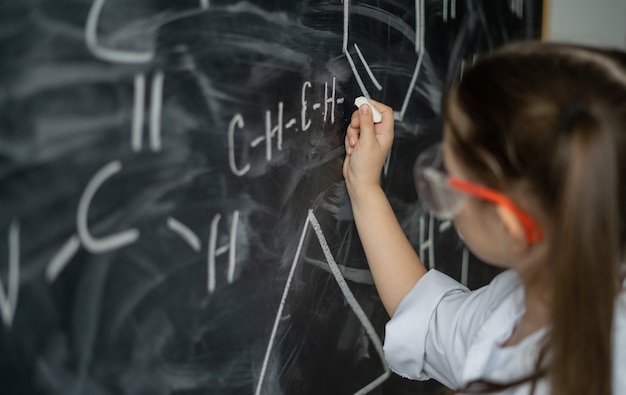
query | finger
[384, 129]
[386, 112]
[381, 106]
[366, 124]
[354, 121]
[351, 143]
[349, 147]
[352, 135]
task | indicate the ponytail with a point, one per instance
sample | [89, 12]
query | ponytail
[587, 217]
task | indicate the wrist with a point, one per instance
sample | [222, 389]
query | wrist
[361, 194]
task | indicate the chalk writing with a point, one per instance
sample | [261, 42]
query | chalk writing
[367, 68]
[517, 6]
[104, 244]
[8, 298]
[184, 232]
[276, 130]
[426, 245]
[158, 182]
[122, 239]
[448, 9]
[214, 251]
[312, 222]
[419, 49]
[155, 112]
[62, 258]
[125, 56]
[84, 237]
[104, 53]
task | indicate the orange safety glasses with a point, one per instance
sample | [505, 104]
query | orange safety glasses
[445, 196]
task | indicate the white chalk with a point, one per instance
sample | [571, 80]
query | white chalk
[377, 116]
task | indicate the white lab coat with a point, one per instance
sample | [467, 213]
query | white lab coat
[441, 330]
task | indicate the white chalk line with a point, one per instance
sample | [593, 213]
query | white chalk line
[290, 124]
[138, 112]
[62, 258]
[368, 70]
[330, 100]
[8, 298]
[427, 244]
[104, 244]
[211, 253]
[517, 7]
[359, 81]
[420, 48]
[281, 307]
[305, 123]
[257, 141]
[445, 225]
[449, 9]
[184, 232]
[352, 302]
[156, 104]
[419, 45]
[277, 130]
[346, 12]
[114, 55]
[237, 121]
[345, 289]
[232, 258]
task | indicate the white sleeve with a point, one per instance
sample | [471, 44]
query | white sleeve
[433, 326]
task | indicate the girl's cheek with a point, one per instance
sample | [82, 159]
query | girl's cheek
[460, 221]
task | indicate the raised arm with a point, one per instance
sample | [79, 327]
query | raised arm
[393, 262]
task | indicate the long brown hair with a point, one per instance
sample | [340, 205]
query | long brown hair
[553, 116]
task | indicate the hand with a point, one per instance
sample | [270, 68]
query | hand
[367, 146]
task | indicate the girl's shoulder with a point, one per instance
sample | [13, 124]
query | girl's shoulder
[506, 288]
[508, 279]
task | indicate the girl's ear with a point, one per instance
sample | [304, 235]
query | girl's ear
[513, 228]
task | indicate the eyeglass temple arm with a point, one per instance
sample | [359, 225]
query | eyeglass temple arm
[531, 228]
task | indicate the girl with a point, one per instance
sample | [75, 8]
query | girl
[532, 171]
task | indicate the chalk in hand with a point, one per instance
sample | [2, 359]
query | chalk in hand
[377, 116]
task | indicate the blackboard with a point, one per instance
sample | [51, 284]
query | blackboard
[173, 218]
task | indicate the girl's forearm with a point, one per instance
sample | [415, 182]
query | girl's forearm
[393, 262]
